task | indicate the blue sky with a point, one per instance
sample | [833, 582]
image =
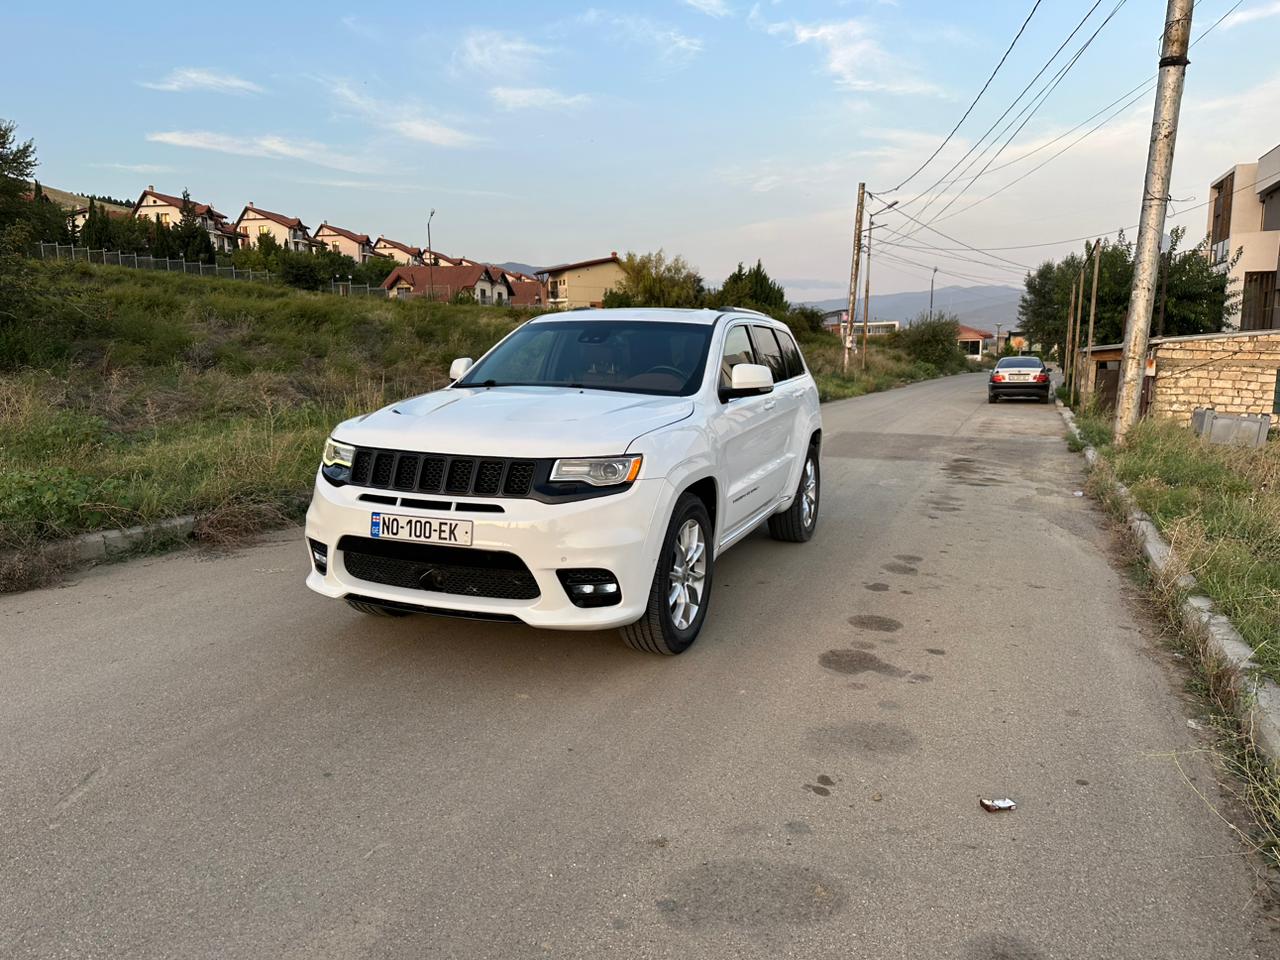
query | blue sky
[719, 129]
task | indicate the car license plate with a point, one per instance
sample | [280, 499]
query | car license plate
[390, 526]
[1019, 377]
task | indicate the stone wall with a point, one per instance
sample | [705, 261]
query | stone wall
[1232, 372]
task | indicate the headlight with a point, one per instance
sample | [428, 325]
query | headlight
[336, 462]
[338, 454]
[597, 471]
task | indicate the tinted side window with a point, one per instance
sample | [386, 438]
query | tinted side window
[737, 349]
[791, 354]
[769, 352]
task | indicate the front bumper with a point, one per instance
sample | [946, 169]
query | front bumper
[621, 533]
[1028, 389]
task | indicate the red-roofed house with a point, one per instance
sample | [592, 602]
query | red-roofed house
[397, 251]
[357, 246]
[485, 284]
[971, 340]
[290, 232]
[167, 208]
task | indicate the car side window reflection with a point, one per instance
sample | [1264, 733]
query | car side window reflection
[737, 349]
[770, 353]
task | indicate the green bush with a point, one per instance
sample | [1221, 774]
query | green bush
[933, 341]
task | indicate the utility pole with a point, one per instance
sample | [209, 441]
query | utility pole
[1155, 200]
[866, 293]
[431, 259]
[998, 326]
[931, 278]
[847, 327]
[1075, 337]
[1066, 338]
[1090, 372]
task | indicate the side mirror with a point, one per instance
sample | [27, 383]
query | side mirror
[458, 369]
[748, 380]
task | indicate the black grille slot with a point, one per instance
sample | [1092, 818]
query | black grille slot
[489, 477]
[432, 474]
[438, 473]
[519, 478]
[406, 471]
[432, 569]
[360, 467]
[382, 463]
[459, 478]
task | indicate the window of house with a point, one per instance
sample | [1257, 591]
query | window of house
[769, 352]
[1258, 303]
[162, 218]
[334, 246]
[737, 349]
[484, 295]
[263, 228]
[1271, 210]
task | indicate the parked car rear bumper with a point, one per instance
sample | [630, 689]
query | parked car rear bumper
[1035, 390]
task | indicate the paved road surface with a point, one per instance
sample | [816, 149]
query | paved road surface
[201, 759]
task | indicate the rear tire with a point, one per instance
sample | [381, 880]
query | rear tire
[374, 609]
[1045, 398]
[797, 523]
[992, 398]
[681, 590]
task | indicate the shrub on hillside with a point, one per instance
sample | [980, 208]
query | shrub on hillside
[933, 341]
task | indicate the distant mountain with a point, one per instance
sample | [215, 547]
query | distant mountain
[519, 267]
[981, 307]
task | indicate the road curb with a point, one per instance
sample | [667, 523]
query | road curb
[1259, 701]
[89, 548]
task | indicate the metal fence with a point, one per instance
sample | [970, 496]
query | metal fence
[114, 258]
[345, 288]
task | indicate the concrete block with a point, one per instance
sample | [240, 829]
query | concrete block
[89, 547]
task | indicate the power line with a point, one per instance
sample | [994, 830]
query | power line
[969, 109]
[1012, 104]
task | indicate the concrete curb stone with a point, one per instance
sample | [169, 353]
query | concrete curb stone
[1260, 709]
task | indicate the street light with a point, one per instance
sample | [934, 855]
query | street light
[431, 259]
[931, 276]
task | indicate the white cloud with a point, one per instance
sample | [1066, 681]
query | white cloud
[673, 47]
[136, 167]
[183, 79]
[536, 98]
[497, 54]
[402, 118]
[852, 55]
[269, 146]
[712, 8]
[1250, 14]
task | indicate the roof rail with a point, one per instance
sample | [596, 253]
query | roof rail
[759, 313]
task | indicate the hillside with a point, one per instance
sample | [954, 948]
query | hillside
[73, 201]
[982, 306]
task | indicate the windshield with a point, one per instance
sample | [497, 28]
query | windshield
[1018, 362]
[631, 356]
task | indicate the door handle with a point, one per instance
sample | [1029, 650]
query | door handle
[770, 404]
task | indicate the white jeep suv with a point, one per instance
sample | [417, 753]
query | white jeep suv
[585, 473]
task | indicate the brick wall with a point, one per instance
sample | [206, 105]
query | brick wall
[1233, 373]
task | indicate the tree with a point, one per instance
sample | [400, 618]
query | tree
[651, 280]
[752, 288]
[934, 341]
[17, 164]
[373, 271]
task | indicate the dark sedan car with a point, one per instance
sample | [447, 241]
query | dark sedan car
[1019, 377]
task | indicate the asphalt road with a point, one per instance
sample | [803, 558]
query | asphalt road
[202, 759]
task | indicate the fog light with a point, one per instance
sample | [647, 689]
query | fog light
[590, 588]
[319, 555]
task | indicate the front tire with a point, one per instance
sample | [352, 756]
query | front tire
[681, 588]
[797, 523]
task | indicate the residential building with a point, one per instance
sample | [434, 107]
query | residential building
[526, 291]
[1244, 217]
[582, 284]
[485, 284]
[167, 209]
[357, 246]
[971, 340]
[397, 251]
[436, 259]
[834, 320]
[290, 232]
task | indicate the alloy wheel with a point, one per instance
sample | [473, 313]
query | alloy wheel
[688, 575]
[809, 493]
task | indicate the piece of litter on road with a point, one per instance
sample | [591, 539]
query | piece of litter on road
[876, 797]
[1194, 725]
[997, 806]
[1078, 493]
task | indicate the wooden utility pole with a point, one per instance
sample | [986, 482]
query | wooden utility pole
[1155, 202]
[847, 326]
[1075, 338]
[1066, 340]
[866, 293]
[1091, 373]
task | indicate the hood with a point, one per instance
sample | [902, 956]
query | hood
[516, 422]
